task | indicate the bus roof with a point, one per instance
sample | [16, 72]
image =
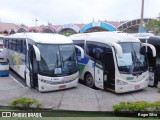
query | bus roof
[154, 40]
[105, 37]
[151, 39]
[43, 37]
[143, 35]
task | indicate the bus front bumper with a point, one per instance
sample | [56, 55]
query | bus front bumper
[132, 86]
[45, 87]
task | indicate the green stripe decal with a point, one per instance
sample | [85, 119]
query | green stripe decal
[81, 68]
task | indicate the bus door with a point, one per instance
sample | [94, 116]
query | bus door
[152, 63]
[27, 69]
[29, 75]
[109, 70]
[157, 66]
[98, 68]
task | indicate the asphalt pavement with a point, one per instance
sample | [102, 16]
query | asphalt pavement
[80, 98]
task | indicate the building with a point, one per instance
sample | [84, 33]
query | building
[69, 29]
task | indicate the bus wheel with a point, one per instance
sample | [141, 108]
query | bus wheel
[89, 80]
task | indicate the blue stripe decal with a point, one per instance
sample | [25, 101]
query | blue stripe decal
[84, 60]
[3, 63]
[4, 73]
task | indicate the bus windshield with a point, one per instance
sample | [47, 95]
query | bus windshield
[134, 58]
[57, 59]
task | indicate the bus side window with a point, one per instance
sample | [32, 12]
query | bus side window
[5, 43]
[14, 44]
[98, 52]
[10, 44]
[24, 46]
[29, 55]
[89, 49]
[19, 46]
[95, 50]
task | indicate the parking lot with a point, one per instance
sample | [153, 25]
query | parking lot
[80, 98]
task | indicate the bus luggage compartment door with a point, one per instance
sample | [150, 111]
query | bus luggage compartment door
[98, 76]
[151, 76]
[28, 80]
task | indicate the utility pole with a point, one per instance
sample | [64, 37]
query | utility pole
[142, 9]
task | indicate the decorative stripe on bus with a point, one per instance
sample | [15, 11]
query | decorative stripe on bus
[4, 72]
[81, 68]
[84, 60]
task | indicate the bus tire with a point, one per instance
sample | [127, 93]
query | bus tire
[89, 80]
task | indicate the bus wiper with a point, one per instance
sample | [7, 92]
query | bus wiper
[62, 61]
[57, 59]
[136, 61]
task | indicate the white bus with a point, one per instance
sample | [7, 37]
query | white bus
[46, 61]
[113, 61]
[154, 62]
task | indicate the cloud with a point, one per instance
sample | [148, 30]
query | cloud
[74, 11]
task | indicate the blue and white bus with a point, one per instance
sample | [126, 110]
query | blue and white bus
[113, 61]
[46, 61]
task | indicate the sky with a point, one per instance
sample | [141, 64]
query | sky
[59, 12]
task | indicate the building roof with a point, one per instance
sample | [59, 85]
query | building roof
[55, 26]
[8, 27]
[80, 25]
[114, 23]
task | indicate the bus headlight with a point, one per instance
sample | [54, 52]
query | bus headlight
[44, 81]
[120, 82]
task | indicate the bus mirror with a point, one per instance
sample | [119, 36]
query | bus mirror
[152, 48]
[37, 53]
[82, 51]
[119, 50]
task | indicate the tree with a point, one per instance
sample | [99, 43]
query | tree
[154, 26]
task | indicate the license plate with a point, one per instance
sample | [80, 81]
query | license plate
[137, 87]
[62, 86]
